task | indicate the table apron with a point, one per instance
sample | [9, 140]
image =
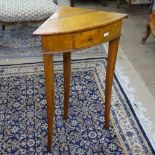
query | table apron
[68, 42]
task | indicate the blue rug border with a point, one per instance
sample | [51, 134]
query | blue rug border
[133, 112]
[121, 88]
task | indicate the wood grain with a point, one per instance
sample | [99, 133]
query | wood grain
[60, 24]
[49, 81]
[112, 55]
[87, 38]
[67, 76]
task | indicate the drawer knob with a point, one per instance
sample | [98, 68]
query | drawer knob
[90, 39]
[106, 34]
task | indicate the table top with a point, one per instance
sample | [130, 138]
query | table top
[70, 19]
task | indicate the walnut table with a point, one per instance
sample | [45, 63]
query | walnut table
[74, 28]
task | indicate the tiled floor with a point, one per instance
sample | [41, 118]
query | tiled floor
[141, 56]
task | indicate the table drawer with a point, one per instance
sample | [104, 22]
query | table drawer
[67, 42]
[97, 35]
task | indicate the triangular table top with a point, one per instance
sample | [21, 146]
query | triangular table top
[70, 19]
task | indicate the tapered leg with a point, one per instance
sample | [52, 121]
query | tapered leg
[55, 1]
[49, 82]
[112, 54]
[118, 3]
[3, 27]
[104, 2]
[129, 5]
[67, 74]
[148, 31]
[72, 3]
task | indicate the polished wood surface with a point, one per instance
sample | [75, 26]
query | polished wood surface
[49, 81]
[112, 55]
[82, 39]
[75, 28]
[67, 76]
[152, 22]
[64, 21]
[69, 27]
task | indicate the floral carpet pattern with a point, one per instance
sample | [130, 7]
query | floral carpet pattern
[23, 119]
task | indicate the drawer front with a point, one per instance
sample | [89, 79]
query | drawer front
[96, 36]
[68, 42]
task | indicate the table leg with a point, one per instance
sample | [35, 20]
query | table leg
[72, 3]
[104, 2]
[129, 6]
[55, 1]
[112, 54]
[148, 31]
[118, 3]
[67, 74]
[49, 83]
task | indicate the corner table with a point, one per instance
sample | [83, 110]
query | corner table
[75, 28]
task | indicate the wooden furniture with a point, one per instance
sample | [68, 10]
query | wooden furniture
[67, 30]
[130, 2]
[71, 3]
[103, 2]
[150, 26]
[118, 3]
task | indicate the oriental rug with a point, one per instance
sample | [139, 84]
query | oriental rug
[23, 119]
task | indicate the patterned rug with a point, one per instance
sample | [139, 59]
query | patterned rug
[23, 120]
[17, 41]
